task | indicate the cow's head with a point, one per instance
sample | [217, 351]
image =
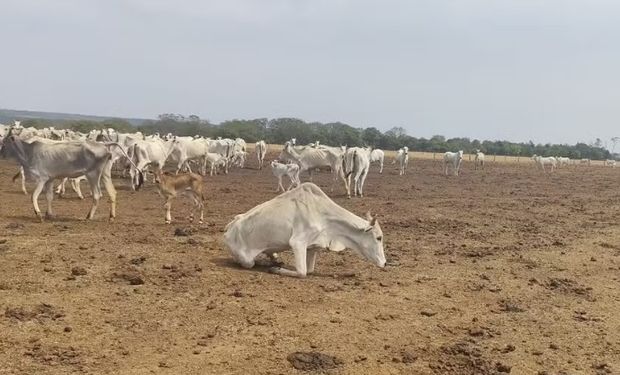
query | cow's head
[371, 241]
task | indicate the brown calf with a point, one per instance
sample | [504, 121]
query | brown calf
[190, 184]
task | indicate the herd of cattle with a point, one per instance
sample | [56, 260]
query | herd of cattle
[47, 155]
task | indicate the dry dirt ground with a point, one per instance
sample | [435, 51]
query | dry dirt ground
[496, 271]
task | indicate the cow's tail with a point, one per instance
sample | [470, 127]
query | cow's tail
[140, 174]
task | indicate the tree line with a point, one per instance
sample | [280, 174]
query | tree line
[280, 130]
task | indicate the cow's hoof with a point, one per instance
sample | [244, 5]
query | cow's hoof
[48, 216]
[168, 221]
[111, 219]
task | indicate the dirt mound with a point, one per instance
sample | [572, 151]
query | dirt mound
[55, 355]
[462, 358]
[39, 312]
[313, 361]
[569, 286]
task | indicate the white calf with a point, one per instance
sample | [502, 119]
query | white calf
[402, 157]
[280, 170]
[453, 159]
[479, 160]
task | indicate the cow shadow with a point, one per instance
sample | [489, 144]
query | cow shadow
[55, 219]
[264, 265]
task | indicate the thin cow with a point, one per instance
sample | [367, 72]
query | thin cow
[304, 220]
[45, 162]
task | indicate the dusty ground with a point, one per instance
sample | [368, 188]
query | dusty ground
[499, 270]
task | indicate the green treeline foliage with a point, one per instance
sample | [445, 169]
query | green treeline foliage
[280, 130]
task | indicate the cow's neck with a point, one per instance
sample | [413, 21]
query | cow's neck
[22, 152]
[344, 226]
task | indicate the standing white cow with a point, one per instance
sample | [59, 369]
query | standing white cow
[261, 151]
[305, 220]
[479, 160]
[610, 163]
[561, 161]
[311, 158]
[402, 157]
[186, 149]
[453, 159]
[377, 155]
[356, 164]
[541, 162]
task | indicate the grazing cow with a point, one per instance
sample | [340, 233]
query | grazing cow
[453, 159]
[305, 220]
[479, 160]
[310, 158]
[610, 163]
[542, 161]
[261, 151]
[189, 184]
[356, 164]
[585, 161]
[377, 155]
[280, 170]
[148, 152]
[45, 162]
[402, 157]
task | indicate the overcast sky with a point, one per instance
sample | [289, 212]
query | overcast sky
[548, 71]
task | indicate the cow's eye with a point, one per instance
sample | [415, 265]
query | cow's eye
[379, 238]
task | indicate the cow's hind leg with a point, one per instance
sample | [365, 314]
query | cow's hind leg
[167, 207]
[23, 178]
[106, 179]
[94, 179]
[35, 197]
[49, 196]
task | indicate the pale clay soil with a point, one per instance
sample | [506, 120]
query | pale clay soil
[495, 271]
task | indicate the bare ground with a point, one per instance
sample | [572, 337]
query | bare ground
[496, 271]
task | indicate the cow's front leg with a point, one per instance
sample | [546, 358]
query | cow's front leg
[299, 249]
[311, 259]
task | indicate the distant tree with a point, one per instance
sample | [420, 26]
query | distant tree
[397, 132]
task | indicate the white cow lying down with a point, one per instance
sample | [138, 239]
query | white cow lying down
[305, 220]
